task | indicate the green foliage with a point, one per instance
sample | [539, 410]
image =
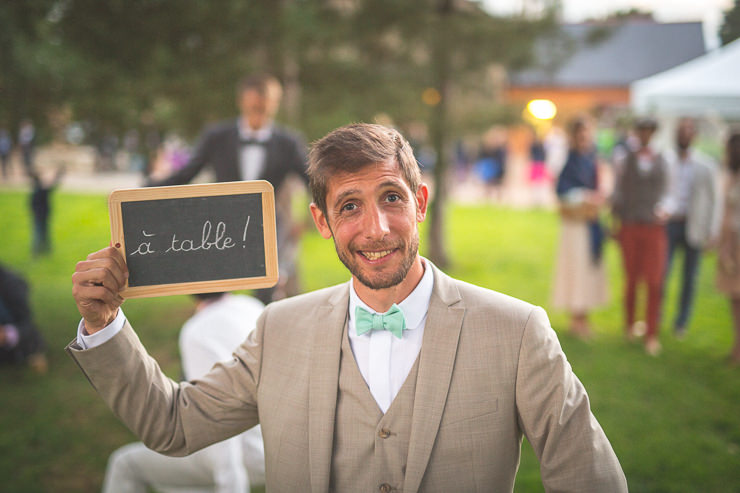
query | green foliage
[730, 29]
[672, 420]
[121, 64]
[32, 70]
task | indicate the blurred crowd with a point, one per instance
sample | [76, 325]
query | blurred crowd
[654, 202]
[658, 201]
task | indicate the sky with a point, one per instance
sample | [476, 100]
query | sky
[707, 11]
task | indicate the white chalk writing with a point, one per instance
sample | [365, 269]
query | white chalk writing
[145, 247]
[220, 242]
[210, 238]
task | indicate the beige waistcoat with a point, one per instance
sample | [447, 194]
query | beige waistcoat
[370, 448]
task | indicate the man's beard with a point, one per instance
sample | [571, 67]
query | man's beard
[385, 280]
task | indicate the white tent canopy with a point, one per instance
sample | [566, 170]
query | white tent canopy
[707, 86]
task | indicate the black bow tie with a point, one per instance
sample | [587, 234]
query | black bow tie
[252, 142]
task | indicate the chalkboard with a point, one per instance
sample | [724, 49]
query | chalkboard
[196, 238]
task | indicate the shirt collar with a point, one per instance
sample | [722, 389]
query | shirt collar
[246, 132]
[692, 156]
[414, 306]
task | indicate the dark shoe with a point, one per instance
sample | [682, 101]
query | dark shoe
[679, 331]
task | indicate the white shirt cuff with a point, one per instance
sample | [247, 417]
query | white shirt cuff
[86, 341]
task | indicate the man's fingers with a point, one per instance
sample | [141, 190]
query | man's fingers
[103, 294]
[111, 254]
[101, 276]
[100, 270]
[92, 289]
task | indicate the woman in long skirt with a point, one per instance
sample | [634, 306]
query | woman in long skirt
[580, 279]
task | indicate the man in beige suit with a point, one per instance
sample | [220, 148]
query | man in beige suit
[403, 379]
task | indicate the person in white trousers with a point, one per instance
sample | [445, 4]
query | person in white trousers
[221, 322]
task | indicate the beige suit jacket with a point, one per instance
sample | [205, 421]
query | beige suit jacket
[490, 370]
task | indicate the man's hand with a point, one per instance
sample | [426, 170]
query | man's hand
[96, 285]
[595, 199]
[661, 215]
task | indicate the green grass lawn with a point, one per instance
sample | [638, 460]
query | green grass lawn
[674, 421]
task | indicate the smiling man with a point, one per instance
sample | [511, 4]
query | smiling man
[402, 379]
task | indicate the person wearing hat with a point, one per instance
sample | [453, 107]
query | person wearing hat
[639, 189]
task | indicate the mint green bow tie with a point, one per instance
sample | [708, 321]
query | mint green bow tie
[392, 321]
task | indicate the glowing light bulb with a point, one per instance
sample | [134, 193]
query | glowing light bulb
[542, 109]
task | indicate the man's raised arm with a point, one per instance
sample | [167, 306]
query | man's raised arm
[169, 417]
[96, 286]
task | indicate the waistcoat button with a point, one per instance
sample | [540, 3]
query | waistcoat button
[385, 488]
[384, 433]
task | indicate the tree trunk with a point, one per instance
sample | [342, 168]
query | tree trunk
[439, 133]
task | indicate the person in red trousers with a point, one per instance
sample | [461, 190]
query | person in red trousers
[640, 187]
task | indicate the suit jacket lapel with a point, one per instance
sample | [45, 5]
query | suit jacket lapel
[437, 360]
[324, 382]
[274, 169]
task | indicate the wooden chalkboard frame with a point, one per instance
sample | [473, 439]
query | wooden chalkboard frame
[117, 197]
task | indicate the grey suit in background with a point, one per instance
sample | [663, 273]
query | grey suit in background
[490, 370]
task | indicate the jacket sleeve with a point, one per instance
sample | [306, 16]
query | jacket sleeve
[715, 194]
[299, 159]
[617, 198]
[198, 160]
[662, 185]
[174, 418]
[555, 416]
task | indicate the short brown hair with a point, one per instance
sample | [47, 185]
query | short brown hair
[646, 123]
[576, 125]
[262, 83]
[350, 148]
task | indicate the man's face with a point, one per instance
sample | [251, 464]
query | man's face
[583, 141]
[644, 134]
[258, 109]
[685, 134]
[373, 216]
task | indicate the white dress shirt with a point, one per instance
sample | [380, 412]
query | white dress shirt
[383, 359]
[252, 157]
[214, 331]
[209, 336]
[87, 341]
[646, 159]
[680, 178]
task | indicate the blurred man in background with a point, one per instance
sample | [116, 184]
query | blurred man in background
[27, 143]
[638, 192]
[40, 204]
[253, 147]
[692, 206]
